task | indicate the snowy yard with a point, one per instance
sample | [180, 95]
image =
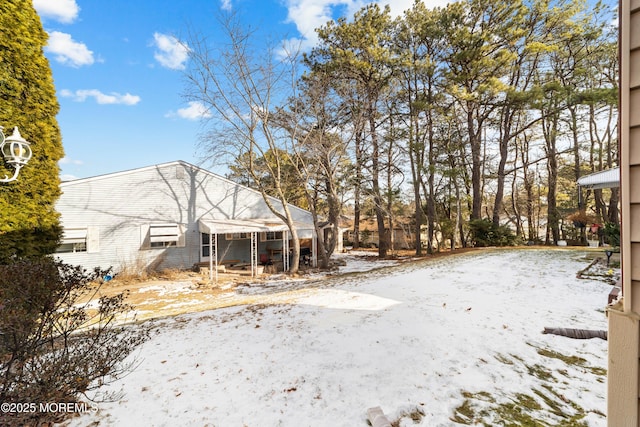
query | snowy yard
[451, 341]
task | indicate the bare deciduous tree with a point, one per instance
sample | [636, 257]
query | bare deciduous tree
[240, 83]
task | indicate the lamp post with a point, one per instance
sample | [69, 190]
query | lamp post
[16, 152]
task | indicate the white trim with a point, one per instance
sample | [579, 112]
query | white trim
[285, 251]
[254, 254]
[213, 261]
[215, 252]
[93, 239]
[263, 235]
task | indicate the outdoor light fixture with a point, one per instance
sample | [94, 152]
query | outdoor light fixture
[16, 152]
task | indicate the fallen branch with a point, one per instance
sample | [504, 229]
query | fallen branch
[580, 334]
[584, 270]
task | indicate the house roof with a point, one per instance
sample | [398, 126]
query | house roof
[609, 178]
[168, 164]
[141, 169]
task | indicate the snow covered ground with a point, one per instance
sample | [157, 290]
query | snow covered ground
[451, 341]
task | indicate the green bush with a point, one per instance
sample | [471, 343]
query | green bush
[486, 233]
[612, 233]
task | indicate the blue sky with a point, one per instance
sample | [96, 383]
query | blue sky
[118, 68]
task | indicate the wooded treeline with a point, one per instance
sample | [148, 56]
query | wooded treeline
[480, 110]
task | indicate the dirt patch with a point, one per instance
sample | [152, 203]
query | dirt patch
[165, 296]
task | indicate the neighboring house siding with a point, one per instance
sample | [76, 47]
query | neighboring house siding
[122, 206]
[624, 331]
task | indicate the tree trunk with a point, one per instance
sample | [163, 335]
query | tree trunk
[476, 166]
[505, 137]
[515, 199]
[553, 218]
[613, 214]
[431, 201]
[497, 205]
[553, 229]
[357, 191]
[416, 160]
[532, 231]
[321, 244]
[375, 184]
[417, 229]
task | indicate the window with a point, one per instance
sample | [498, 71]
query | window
[163, 235]
[237, 236]
[66, 248]
[269, 236]
[73, 240]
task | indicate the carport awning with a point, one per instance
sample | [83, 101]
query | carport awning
[224, 226]
[609, 178]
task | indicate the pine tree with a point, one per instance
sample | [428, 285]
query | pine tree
[29, 224]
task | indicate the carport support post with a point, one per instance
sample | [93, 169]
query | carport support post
[254, 253]
[314, 249]
[215, 251]
[285, 250]
[211, 260]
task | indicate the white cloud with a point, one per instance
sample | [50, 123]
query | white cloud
[101, 98]
[171, 52]
[225, 4]
[67, 177]
[399, 6]
[65, 11]
[67, 161]
[307, 15]
[67, 51]
[195, 111]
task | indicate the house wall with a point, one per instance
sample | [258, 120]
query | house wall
[118, 209]
[624, 331]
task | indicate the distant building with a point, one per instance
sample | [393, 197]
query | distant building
[172, 215]
[403, 233]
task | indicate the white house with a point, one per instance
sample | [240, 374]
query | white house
[172, 215]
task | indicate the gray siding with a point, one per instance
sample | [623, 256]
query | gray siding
[119, 208]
